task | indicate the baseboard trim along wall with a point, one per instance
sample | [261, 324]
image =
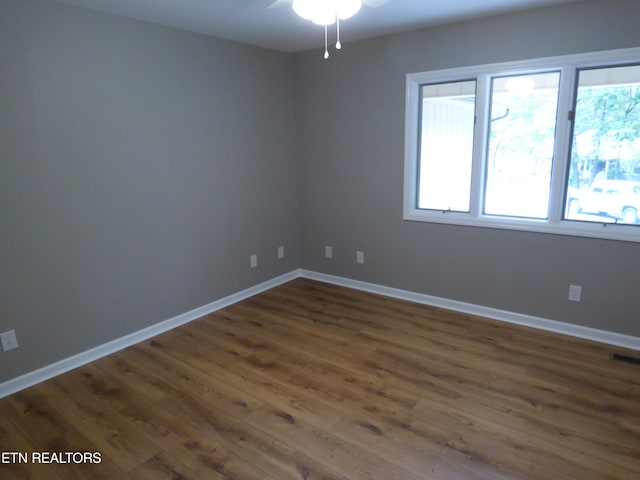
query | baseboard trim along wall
[32, 378]
[587, 333]
[62, 366]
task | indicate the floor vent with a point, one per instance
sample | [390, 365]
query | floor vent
[625, 358]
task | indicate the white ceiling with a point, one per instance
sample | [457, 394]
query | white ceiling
[253, 22]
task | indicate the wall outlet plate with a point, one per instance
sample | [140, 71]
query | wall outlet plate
[359, 257]
[281, 252]
[575, 293]
[9, 340]
[253, 261]
[328, 251]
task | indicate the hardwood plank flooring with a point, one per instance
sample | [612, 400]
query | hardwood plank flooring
[314, 381]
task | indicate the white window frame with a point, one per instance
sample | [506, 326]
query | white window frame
[555, 224]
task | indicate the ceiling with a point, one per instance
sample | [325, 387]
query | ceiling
[253, 22]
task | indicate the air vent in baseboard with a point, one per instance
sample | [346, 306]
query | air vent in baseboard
[625, 358]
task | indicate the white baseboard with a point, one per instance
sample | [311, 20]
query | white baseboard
[602, 336]
[62, 366]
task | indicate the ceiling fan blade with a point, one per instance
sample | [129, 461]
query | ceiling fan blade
[280, 3]
[374, 3]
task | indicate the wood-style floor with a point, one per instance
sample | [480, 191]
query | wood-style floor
[313, 381]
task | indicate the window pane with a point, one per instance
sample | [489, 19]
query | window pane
[446, 145]
[604, 171]
[521, 141]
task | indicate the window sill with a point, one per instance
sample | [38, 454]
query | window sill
[604, 230]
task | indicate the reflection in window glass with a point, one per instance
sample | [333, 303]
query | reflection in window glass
[521, 142]
[604, 170]
[446, 145]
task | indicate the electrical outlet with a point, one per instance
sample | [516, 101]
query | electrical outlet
[9, 340]
[281, 252]
[359, 257]
[253, 261]
[575, 293]
[328, 251]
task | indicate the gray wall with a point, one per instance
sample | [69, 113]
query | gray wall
[350, 153]
[140, 167]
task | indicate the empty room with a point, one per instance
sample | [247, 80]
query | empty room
[302, 239]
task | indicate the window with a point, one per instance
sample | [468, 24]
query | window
[549, 145]
[522, 124]
[604, 167]
[446, 144]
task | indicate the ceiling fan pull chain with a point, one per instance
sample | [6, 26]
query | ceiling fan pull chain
[338, 44]
[326, 48]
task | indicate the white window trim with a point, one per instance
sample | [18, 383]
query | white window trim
[554, 224]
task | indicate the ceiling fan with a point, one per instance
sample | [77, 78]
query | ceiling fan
[368, 3]
[327, 12]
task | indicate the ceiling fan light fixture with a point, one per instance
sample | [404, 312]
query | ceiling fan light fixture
[327, 12]
[347, 8]
[311, 10]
